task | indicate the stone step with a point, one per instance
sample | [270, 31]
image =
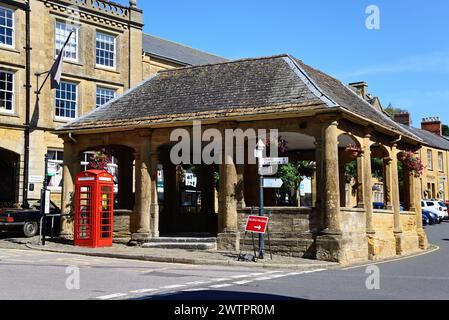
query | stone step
[181, 240]
[181, 245]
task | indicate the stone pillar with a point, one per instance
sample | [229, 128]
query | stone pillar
[397, 227]
[367, 183]
[143, 191]
[423, 243]
[71, 167]
[228, 237]
[388, 196]
[330, 243]
[360, 180]
[154, 208]
[319, 188]
[331, 180]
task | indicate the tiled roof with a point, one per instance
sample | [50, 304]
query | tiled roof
[250, 86]
[176, 52]
[430, 139]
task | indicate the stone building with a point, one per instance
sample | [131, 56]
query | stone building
[434, 154]
[107, 54]
[317, 114]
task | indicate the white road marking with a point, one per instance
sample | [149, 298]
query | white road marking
[174, 286]
[220, 279]
[240, 276]
[223, 285]
[262, 278]
[269, 272]
[144, 290]
[112, 296]
[256, 274]
[243, 282]
[194, 283]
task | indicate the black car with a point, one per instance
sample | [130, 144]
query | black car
[27, 220]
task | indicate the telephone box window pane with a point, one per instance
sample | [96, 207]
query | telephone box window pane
[85, 213]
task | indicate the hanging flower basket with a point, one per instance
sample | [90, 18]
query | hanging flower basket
[281, 144]
[353, 151]
[100, 160]
[412, 163]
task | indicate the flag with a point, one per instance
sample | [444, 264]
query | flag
[56, 68]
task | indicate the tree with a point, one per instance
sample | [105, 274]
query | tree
[445, 130]
[391, 111]
[293, 174]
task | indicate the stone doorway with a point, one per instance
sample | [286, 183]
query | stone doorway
[9, 177]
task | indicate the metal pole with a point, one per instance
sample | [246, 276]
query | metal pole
[43, 201]
[261, 213]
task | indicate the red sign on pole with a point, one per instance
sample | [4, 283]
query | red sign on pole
[256, 224]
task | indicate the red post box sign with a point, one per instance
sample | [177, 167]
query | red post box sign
[94, 205]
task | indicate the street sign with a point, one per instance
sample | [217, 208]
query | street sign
[47, 202]
[256, 224]
[267, 171]
[272, 183]
[271, 161]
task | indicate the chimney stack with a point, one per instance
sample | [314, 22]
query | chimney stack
[361, 87]
[403, 118]
[432, 124]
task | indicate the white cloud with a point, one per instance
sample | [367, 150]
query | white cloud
[434, 61]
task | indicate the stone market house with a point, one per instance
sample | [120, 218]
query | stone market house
[315, 113]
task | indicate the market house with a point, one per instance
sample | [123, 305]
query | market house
[318, 116]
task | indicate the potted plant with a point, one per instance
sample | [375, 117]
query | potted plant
[412, 163]
[100, 160]
[353, 151]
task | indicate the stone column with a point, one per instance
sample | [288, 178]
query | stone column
[154, 209]
[143, 191]
[411, 188]
[319, 188]
[397, 227]
[331, 180]
[228, 234]
[360, 180]
[388, 196]
[368, 184]
[423, 243]
[70, 169]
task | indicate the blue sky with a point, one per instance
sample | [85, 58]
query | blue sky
[406, 62]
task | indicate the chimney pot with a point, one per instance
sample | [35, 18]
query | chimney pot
[403, 118]
[432, 124]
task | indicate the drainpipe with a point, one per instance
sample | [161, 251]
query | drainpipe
[25, 203]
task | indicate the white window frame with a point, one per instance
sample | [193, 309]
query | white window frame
[13, 45]
[76, 102]
[12, 111]
[429, 161]
[115, 50]
[76, 39]
[104, 88]
[440, 161]
[61, 162]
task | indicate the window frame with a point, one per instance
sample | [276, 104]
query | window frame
[104, 88]
[77, 28]
[60, 118]
[13, 44]
[61, 162]
[114, 67]
[440, 163]
[13, 102]
[429, 161]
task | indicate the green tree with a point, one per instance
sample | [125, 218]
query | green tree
[391, 110]
[445, 130]
[293, 174]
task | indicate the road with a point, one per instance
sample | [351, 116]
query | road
[41, 275]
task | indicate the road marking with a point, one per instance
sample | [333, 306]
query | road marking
[144, 290]
[112, 296]
[269, 272]
[262, 278]
[220, 279]
[173, 286]
[223, 285]
[195, 289]
[275, 276]
[194, 283]
[243, 282]
[256, 274]
[240, 276]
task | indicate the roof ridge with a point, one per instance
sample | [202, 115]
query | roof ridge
[184, 45]
[226, 62]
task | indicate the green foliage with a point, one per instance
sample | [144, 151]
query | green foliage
[293, 173]
[391, 111]
[377, 168]
[445, 130]
[350, 171]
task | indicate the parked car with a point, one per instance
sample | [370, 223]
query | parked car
[432, 217]
[425, 220]
[435, 207]
[27, 220]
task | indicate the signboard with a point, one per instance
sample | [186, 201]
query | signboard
[256, 224]
[272, 183]
[271, 161]
[47, 202]
[267, 171]
[35, 179]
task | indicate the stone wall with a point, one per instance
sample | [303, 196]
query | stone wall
[121, 223]
[382, 244]
[291, 231]
[353, 225]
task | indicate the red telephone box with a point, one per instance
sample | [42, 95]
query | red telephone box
[94, 205]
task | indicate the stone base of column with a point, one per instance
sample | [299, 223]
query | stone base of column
[67, 229]
[381, 245]
[406, 243]
[422, 239]
[138, 239]
[329, 248]
[229, 241]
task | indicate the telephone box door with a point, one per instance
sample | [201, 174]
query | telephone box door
[105, 222]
